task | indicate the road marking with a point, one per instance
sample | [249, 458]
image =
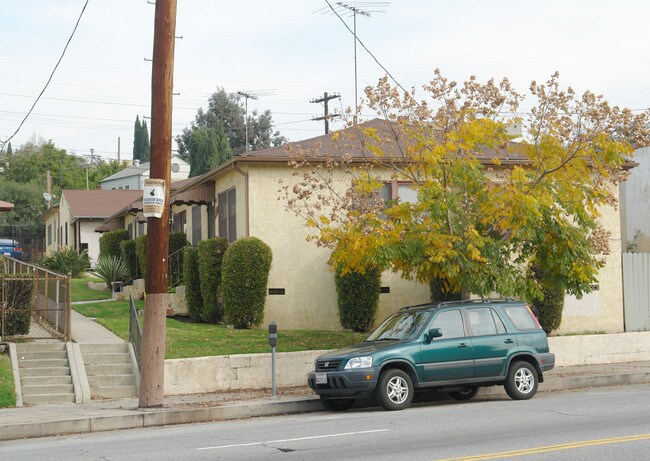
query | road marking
[549, 448]
[344, 434]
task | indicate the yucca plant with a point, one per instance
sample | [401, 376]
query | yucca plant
[111, 269]
[67, 261]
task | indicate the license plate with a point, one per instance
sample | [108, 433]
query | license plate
[321, 378]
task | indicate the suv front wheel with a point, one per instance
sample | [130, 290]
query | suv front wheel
[521, 383]
[394, 390]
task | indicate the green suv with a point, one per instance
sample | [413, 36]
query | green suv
[455, 346]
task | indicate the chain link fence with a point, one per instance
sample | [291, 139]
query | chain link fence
[34, 302]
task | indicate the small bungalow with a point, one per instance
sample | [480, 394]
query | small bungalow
[301, 289]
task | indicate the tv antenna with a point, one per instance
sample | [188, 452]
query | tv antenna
[348, 9]
[252, 94]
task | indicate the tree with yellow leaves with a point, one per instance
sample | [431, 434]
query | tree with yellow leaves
[480, 212]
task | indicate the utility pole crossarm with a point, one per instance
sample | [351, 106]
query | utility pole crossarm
[325, 99]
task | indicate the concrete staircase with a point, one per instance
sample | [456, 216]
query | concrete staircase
[45, 375]
[110, 370]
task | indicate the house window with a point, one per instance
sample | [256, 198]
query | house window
[227, 211]
[49, 234]
[211, 220]
[130, 229]
[196, 224]
[399, 190]
[141, 230]
[179, 221]
[66, 235]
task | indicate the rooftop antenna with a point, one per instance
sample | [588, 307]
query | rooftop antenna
[253, 94]
[352, 9]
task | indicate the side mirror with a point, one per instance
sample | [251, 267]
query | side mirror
[433, 333]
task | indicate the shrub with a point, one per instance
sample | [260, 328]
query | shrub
[193, 296]
[18, 291]
[549, 309]
[130, 259]
[245, 276]
[141, 254]
[358, 298]
[111, 269]
[439, 292]
[67, 261]
[211, 253]
[109, 242]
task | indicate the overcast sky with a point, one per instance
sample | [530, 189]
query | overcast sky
[296, 52]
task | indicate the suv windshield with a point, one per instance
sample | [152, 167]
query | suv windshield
[402, 325]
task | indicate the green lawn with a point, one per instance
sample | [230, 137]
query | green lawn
[186, 339]
[7, 390]
[81, 292]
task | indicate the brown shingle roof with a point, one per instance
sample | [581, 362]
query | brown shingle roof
[97, 203]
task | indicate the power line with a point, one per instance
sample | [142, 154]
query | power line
[51, 75]
[367, 50]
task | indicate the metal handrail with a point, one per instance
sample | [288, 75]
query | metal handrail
[135, 332]
[175, 258]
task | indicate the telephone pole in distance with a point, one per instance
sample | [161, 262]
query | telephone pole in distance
[325, 99]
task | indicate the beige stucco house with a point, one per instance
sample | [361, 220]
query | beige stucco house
[246, 202]
[72, 222]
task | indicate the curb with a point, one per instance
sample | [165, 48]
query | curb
[141, 418]
[131, 418]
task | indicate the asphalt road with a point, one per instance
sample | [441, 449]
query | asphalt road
[594, 424]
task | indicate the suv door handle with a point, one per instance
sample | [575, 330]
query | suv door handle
[462, 345]
[508, 341]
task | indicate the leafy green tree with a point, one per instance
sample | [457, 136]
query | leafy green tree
[9, 149]
[138, 141]
[28, 205]
[477, 224]
[31, 162]
[228, 109]
[208, 148]
[146, 146]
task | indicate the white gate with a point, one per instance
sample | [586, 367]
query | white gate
[636, 290]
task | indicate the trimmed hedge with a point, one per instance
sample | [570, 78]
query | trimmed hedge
[358, 298]
[141, 254]
[131, 258]
[549, 309]
[18, 291]
[439, 293]
[245, 276]
[211, 253]
[110, 242]
[193, 296]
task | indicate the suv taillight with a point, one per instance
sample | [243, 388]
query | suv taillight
[533, 316]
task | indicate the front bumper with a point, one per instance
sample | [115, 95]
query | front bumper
[344, 383]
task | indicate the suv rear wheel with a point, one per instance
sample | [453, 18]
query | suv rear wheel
[394, 390]
[521, 383]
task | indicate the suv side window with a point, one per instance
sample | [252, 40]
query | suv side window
[521, 317]
[451, 324]
[481, 321]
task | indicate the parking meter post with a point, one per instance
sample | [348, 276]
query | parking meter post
[273, 341]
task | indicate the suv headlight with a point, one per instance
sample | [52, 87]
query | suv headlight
[359, 362]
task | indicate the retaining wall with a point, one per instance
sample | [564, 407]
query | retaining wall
[253, 371]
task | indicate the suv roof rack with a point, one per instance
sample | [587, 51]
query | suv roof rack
[477, 301]
[415, 306]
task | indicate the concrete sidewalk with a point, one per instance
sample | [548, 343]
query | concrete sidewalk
[105, 415]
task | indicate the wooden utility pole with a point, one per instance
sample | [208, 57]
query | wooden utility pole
[152, 356]
[325, 99]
